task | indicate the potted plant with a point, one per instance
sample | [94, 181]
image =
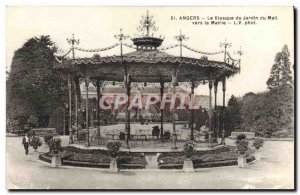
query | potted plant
[167, 135]
[81, 136]
[55, 147]
[113, 149]
[35, 143]
[47, 139]
[188, 152]
[257, 144]
[240, 137]
[242, 147]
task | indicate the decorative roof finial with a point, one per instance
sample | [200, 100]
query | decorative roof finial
[240, 52]
[72, 41]
[121, 37]
[226, 45]
[181, 37]
[147, 24]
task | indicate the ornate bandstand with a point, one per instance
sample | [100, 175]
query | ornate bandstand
[148, 63]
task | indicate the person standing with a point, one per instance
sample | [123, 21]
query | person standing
[25, 143]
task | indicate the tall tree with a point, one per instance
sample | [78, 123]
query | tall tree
[281, 70]
[234, 111]
[34, 88]
[286, 67]
[269, 113]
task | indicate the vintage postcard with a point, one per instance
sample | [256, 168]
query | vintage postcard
[156, 98]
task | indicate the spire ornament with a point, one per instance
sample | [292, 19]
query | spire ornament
[145, 41]
[146, 24]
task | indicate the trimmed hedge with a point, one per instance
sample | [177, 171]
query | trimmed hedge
[96, 158]
[85, 164]
[45, 158]
[170, 166]
[250, 158]
[221, 156]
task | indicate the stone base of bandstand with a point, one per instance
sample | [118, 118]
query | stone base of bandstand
[188, 166]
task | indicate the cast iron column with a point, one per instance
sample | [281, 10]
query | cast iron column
[87, 144]
[216, 129]
[76, 110]
[127, 114]
[210, 114]
[223, 111]
[71, 140]
[174, 79]
[77, 94]
[161, 112]
[192, 111]
[98, 109]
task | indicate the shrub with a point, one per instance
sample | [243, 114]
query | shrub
[268, 134]
[242, 146]
[47, 138]
[189, 149]
[215, 157]
[167, 135]
[171, 160]
[81, 136]
[32, 121]
[36, 142]
[113, 148]
[122, 136]
[55, 145]
[258, 143]
[155, 131]
[239, 138]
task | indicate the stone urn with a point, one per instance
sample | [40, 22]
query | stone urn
[242, 162]
[188, 166]
[56, 160]
[113, 165]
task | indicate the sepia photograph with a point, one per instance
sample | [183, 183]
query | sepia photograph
[150, 98]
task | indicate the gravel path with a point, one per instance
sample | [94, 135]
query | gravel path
[275, 171]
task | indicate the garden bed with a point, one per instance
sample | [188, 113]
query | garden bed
[221, 156]
[96, 158]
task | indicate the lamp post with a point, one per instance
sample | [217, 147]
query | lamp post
[226, 45]
[72, 42]
[127, 83]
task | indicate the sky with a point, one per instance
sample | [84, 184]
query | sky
[96, 27]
